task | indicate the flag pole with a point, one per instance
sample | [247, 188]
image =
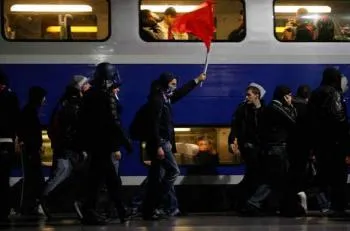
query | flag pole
[205, 65]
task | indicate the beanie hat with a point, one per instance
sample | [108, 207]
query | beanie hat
[78, 81]
[280, 92]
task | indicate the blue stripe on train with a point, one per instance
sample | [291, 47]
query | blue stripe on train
[210, 105]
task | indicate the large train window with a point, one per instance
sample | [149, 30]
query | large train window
[201, 146]
[312, 20]
[157, 17]
[56, 20]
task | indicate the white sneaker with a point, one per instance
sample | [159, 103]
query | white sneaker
[303, 200]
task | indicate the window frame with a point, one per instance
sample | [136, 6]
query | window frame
[3, 35]
[192, 41]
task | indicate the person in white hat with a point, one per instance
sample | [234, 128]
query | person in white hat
[244, 139]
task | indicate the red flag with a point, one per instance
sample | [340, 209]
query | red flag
[199, 22]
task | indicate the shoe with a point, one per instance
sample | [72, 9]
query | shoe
[303, 200]
[174, 213]
[91, 217]
[78, 210]
[150, 217]
[44, 207]
[337, 214]
[122, 214]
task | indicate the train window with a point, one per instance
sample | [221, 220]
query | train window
[157, 16]
[312, 21]
[56, 20]
[201, 146]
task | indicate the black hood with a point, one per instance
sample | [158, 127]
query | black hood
[165, 78]
[36, 95]
[280, 92]
[332, 77]
[3, 78]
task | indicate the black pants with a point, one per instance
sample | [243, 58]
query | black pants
[101, 170]
[6, 151]
[332, 173]
[274, 173]
[33, 179]
[252, 176]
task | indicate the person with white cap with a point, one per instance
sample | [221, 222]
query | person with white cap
[244, 138]
[63, 134]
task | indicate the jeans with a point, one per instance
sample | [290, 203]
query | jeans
[63, 170]
[158, 185]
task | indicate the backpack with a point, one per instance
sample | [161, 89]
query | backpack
[140, 127]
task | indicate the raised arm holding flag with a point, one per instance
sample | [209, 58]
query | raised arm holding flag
[200, 23]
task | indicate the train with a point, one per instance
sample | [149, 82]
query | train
[35, 50]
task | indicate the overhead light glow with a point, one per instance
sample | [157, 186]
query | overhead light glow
[310, 9]
[182, 129]
[74, 29]
[162, 8]
[50, 8]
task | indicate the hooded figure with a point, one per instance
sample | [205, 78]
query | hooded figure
[9, 112]
[30, 134]
[161, 140]
[330, 137]
[102, 136]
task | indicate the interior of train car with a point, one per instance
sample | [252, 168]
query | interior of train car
[330, 17]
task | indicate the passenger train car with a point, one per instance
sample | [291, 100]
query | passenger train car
[37, 49]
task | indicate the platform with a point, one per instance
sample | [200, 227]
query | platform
[192, 223]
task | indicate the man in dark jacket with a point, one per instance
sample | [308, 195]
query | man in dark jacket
[279, 120]
[162, 140]
[245, 127]
[330, 137]
[63, 134]
[101, 138]
[9, 108]
[299, 153]
[31, 137]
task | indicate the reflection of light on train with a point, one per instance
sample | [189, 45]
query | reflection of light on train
[112, 34]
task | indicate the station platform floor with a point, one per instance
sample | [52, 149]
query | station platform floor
[192, 222]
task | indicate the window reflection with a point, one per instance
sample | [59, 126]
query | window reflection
[206, 146]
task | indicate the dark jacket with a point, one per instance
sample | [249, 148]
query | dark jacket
[64, 124]
[161, 113]
[9, 113]
[30, 128]
[100, 127]
[245, 124]
[328, 115]
[278, 123]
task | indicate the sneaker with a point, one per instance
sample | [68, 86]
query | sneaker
[303, 200]
[78, 210]
[174, 213]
